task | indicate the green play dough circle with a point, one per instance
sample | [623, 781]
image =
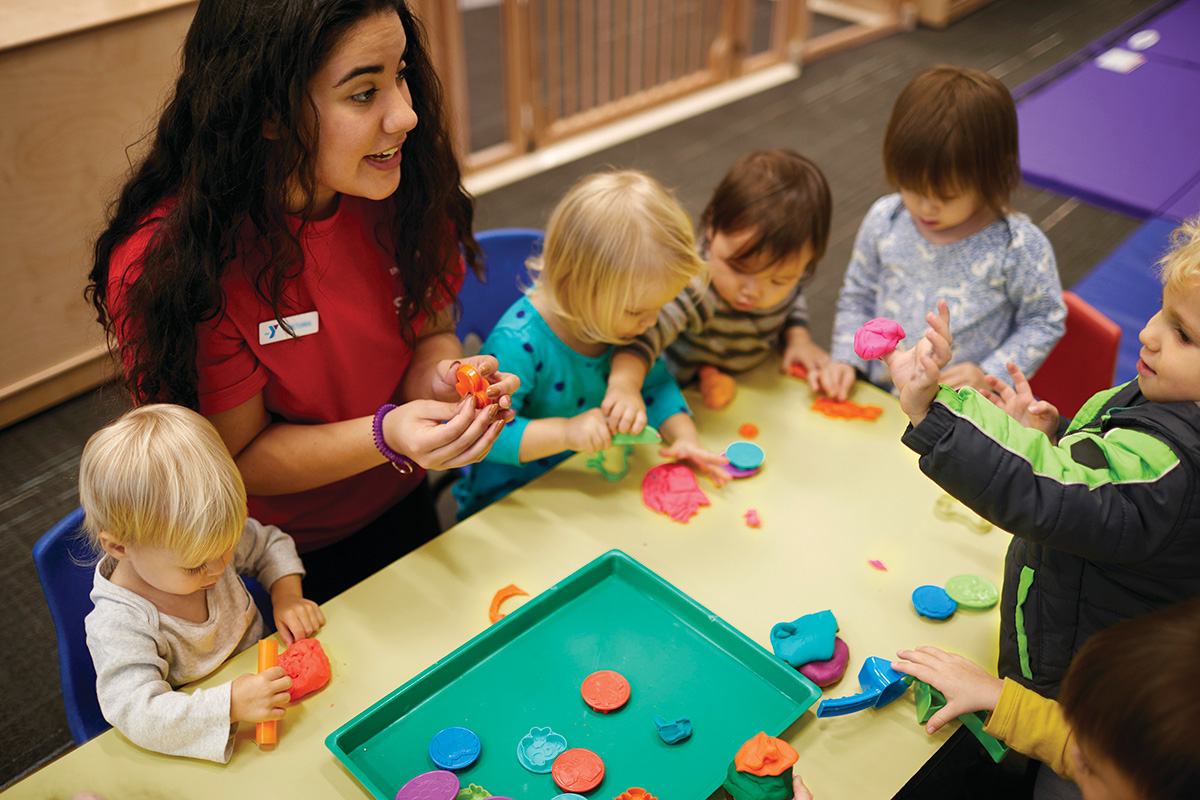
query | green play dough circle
[973, 591]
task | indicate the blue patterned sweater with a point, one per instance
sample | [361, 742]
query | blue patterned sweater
[1000, 283]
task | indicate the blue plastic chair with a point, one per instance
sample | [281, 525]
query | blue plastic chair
[505, 251]
[66, 565]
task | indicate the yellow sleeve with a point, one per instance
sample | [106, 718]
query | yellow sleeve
[1033, 725]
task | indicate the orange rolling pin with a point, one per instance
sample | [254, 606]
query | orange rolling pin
[268, 656]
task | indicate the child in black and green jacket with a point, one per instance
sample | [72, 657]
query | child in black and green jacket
[1104, 510]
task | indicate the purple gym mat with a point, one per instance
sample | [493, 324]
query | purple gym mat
[1126, 141]
[1188, 204]
[1178, 29]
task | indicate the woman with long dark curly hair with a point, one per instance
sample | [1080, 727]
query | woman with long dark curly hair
[272, 265]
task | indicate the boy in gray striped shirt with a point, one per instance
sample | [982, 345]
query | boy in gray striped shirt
[764, 231]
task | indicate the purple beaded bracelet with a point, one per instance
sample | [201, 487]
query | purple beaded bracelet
[403, 464]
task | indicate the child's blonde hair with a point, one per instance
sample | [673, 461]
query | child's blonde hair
[608, 237]
[160, 476]
[1180, 268]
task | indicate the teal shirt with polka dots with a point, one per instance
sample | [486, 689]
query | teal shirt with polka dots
[556, 381]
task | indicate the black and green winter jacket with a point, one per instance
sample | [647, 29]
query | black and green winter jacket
[1105, 524]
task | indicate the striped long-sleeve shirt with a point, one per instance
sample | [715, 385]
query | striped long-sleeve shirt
[699, 327]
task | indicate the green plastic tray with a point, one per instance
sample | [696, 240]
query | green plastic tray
[680, 659]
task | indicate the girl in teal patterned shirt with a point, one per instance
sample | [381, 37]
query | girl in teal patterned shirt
[618, 248]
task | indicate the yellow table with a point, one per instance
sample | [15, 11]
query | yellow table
[832, 495]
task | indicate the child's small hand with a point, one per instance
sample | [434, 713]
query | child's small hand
[297, 618]
[501, 385]
[957, 376]
[916, 372]
[835, 379]
[588, 432]
[700, 458]
[967, 686]
[259, 697]
[1020, 404]
[799, 790]
[624, 409]
[800, 349]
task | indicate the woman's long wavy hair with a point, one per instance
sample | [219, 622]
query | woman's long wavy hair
[246, 63]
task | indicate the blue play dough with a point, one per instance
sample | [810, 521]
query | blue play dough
[571, 796]
[744, 455]
[454, 748]
[809, 638]
[933, 602]
[673, 732]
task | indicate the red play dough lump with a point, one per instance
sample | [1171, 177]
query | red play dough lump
[765, 755]
[307, 665]
[877, 337]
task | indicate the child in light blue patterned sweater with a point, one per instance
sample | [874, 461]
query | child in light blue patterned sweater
[951, 149]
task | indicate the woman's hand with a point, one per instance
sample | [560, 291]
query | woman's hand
[443, 435]
[1020, 404]
[967, 686]
[501, 385]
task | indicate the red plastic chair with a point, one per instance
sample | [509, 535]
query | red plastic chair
[1083, 362]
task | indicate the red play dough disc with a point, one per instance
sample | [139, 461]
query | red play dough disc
[578, 770]
[605, 690]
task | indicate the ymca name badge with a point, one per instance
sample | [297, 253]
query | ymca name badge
[304, 324]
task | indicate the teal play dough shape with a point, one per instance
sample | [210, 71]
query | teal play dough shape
[537, 749]
[972, 591]
[745, 455]
[675, 731]
[933, 602]
[809, 638]
[454, 748]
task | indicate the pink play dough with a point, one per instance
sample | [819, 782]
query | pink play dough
[877, 337]
[825, 673]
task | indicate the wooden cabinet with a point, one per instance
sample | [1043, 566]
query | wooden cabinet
[80, 81]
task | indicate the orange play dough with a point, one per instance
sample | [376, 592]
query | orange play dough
[765, 755]
[512, 590]
[748, 431]
[844, 409]
[716, 388]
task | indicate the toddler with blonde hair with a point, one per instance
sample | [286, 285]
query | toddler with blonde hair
[618, 248]
[166, 506]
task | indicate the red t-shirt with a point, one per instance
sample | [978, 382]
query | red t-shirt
[347, 359]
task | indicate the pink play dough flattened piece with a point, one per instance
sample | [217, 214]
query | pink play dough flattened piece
[824, 673]
[877, 337]
[307, 665]
[672, 489]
